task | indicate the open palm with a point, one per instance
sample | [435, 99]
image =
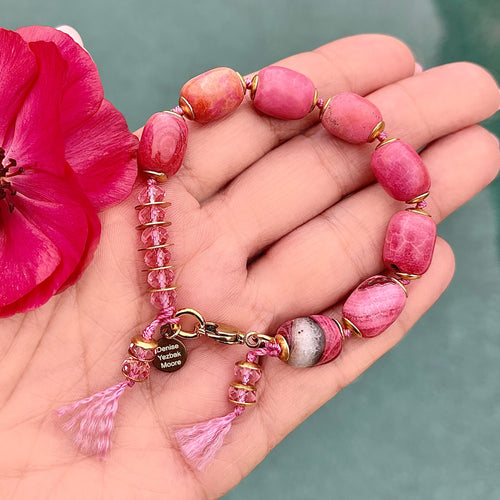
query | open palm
[264, 232]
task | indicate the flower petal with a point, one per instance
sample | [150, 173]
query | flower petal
[102, 153]
[83, 91]
[27, 256]
[38, 140]
[18, 70]
[58, 209]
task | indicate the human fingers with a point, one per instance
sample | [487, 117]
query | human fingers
[240, 139]
[321, 261]
[312, 171]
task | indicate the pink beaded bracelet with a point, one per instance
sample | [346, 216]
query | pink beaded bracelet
[302, 342]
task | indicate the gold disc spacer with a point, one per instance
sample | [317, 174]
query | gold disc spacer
[418, 198]
[387, 141]
[148, 344]
[407, 276]
[340, 327]
[242, 81]
[173, 113]
[245, 387]
[253, 86]
[351, 326]
[186, 107]
[249, 365]
[376, 131]
[315, 100]
[400, 284]
[418, 211]
[285, 348]
[323, 109]
[159, 176]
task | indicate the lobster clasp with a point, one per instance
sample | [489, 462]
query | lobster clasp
[223, 333]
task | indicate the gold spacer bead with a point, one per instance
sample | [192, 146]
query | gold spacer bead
[315, 100]
[341, 328]
[166, 289]
[241, 403]
[407, 276]
[418, 211]
[323, 109]
[400, 284]
[148, 344]
[173, 113]
[351, 326]
[242, 81]
[418, 198]
[387, 141]
[253, 86]
[159, 176]
[285, 349]
[376, 131]
[249, 365]
[245, 387]
[186, 107]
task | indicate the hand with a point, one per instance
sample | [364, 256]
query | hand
[263, 232]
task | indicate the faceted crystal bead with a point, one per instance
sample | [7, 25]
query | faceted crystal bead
[152, 213]
[141, 353]
[242, 395]
[156, 235]
[247, 375]
[151, 193]
[163, 299]
[135, 370]
[157, 257]
[161, 278]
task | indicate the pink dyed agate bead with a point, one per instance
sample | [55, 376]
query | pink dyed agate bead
[284, 93]
[313, 340]
[374, 305]
[409, 242]
[400, 170]
[351, 117]
[163, 143]
[212, 95]
[135, 369]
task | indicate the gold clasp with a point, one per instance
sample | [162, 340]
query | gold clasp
[221, 332]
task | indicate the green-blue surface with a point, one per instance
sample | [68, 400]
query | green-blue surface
[423, 423]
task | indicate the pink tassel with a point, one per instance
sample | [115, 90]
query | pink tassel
[200, 443]
[91, 420]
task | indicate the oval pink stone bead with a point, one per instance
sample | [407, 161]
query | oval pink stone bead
[409, 242]
[284, 93]
[400, 170]
[163, 143]
[374, 305]
[351, 117]
[213, 94]
[313, 340]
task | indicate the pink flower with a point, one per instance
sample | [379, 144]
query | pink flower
[65, 154]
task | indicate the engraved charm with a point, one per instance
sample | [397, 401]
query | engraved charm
[171, 354]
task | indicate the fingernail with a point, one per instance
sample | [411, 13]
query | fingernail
[418, 68]
[69, 30]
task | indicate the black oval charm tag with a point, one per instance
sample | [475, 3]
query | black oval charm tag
[171, 355]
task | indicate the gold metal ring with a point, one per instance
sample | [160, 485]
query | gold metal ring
[340, 327]
[253, 86]
[153, 204]
[160, 176]
[376, 131]
[242, 80]
[285, 348]
[157, 223]
[315, 100]
[161, 268]
[188, 311]
[408, 276]
[166, 289]
[323, 109]
[352, 327]
[186, 107]
[418, 198]
[387, 141]
[418, 211]
[155, 247]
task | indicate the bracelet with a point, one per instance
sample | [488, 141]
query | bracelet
[301, 342]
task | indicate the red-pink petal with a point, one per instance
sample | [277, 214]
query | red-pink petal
[102, 153]
[57, 207]
[27, 256]
[18, 70]
[38, 141]
[83, 91]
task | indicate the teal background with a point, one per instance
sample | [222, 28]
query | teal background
[423, 422]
